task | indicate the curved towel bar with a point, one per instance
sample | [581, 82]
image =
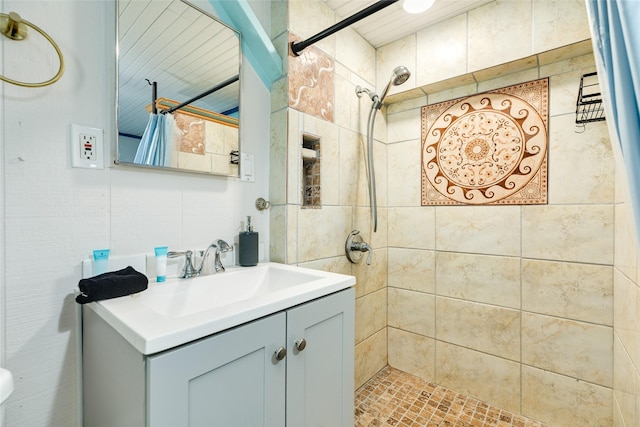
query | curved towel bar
[11, 27]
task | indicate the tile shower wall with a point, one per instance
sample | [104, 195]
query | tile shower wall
[316, 237]
[513, 304]
[529, 290]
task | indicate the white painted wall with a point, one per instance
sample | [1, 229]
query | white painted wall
[55, 215]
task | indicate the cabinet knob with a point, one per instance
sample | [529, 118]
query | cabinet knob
[280, 353]
[301, 344]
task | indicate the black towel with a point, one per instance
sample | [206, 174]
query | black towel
[113, 284]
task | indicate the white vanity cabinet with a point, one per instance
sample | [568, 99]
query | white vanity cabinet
[232, 378]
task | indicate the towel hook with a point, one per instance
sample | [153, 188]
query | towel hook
[14, 27]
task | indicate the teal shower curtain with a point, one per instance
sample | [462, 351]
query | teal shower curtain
[615, 31]
[155, 146]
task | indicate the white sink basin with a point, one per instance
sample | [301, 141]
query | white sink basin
[182, 310]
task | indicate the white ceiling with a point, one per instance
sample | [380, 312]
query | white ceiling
[393, 23]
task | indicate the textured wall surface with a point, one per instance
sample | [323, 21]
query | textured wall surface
[56, 215]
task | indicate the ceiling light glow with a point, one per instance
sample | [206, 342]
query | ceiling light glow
[417, 6]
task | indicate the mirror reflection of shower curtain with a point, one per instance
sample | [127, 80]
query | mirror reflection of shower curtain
[155, 146]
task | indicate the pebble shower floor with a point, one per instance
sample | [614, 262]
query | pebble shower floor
[395, 398]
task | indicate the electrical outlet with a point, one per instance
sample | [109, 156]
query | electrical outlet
[87, 148]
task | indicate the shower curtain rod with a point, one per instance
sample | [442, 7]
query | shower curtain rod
[297, 47]
[202, 95]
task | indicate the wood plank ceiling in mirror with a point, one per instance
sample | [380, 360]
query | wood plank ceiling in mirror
[184, 50]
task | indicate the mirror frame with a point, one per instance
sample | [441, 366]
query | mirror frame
[116, 142]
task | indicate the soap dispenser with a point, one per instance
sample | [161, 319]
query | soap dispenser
[248, 246]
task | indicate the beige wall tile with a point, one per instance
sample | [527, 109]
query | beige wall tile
[406, 169]
[338, 264]
[346, 101]
[356, 53]
[583, 62]
[624, 386]
[558, 23]
[370, 357]
[353, 173]
[411, 311]
[577, 349]
[279, 94]
[412, 269]
[362, 221]
[292, 233]
[408, 104]
[564, 401]
[322, 232]
[379, 165]
[307, 18]
[412, 353]
[411, 227]
[626, 252]
[442, 51]
[392, 55]
[278, 158]
[295, 126]
[499, 32]
[568, 233]
[371, 314]
[278, 17]
[571, 290]
[466, 87]
[508, 74]
[491, 230]
[370, 278]
[486, 328]
[479, 278]
[278, 234]
[573, 50]
[404, 125]
[626, 320]
[563, 90]
[592, 151]
[467, 371]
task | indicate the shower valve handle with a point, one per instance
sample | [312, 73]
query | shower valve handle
[355, 246]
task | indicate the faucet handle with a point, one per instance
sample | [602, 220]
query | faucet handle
[355, 246]
[189, 270]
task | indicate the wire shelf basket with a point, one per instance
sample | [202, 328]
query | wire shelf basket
[589, 107]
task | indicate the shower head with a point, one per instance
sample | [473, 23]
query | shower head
[400, 75]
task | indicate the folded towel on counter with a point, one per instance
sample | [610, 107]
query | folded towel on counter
[113, 284]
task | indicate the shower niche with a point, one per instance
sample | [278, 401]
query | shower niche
[310, 158]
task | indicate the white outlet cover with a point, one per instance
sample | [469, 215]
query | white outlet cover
[77, 161]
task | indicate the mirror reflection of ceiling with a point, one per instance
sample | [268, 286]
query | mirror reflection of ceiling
[185, 51]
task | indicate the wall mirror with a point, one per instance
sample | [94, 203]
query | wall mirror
[175, 55]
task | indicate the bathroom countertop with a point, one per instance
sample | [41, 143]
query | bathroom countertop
[176, 312]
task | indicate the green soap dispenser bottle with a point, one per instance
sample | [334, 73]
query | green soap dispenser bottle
[248, 246]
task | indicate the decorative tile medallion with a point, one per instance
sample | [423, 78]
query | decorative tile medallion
[311, 82]
[191, 134]
[487, 149]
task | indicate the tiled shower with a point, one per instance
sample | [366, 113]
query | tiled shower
[513, 305]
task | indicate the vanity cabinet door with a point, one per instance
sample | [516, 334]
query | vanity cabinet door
[229, 379]
[320, 371]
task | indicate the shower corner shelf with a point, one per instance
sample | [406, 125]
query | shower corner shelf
[589, 107]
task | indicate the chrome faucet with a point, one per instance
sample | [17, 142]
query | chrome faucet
[190, 270]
